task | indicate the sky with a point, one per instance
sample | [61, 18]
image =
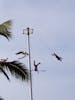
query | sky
[53, 24]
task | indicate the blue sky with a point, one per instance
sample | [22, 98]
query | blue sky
[53, 22]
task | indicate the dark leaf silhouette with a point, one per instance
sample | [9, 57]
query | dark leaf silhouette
[3, 71]
[16, 68]
[1, 98]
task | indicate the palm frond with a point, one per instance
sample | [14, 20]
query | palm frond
[7, 24]
[3, 71]
[17, 69]
[5, 29]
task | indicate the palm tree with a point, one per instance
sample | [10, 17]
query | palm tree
[16, 68]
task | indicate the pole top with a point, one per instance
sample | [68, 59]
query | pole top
[27, 31]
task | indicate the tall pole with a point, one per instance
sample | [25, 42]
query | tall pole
[31, 92]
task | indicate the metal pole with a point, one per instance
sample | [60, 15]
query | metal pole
[30, 64]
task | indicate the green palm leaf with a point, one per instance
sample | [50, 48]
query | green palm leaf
[5, 29]
[16, 68]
